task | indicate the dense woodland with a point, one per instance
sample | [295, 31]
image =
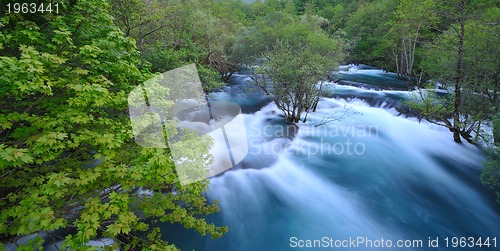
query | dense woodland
[65, 77]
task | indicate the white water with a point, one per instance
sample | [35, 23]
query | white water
[411, 181]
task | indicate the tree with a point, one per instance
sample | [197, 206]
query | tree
[68, 160]
[255, 40]
[299, 62]
[464, 60]
[490, 174]
[143, 19]
[171, 34]
[367, 27]
[295, 52]
[410, 20]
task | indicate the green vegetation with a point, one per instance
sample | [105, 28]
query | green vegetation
[463, 59]
[67, 155]
[296, 54]
[63, 100]
[410, 20]
[367, 29]
[490, 175]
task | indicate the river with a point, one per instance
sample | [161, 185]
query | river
[372, 173]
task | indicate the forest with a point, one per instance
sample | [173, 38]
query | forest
[69, 166]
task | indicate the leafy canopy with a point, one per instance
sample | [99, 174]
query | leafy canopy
[67, 157]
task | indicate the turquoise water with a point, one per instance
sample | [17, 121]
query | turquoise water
[373, 174]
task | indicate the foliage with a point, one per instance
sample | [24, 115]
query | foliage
[410, 20]
[253, 41]
[367, 27]
[432, 105]
[194, 31]
[479, 79]
[490, 175]
[67, 156]
[298, 62]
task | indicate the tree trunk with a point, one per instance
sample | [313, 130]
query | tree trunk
[456, 136]
[297, 117]
[456, 111]
[496, 131]
[315, 106]
[397, 60]
[467, 136]
[405, 57]
[305, 118]
[226, 76]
